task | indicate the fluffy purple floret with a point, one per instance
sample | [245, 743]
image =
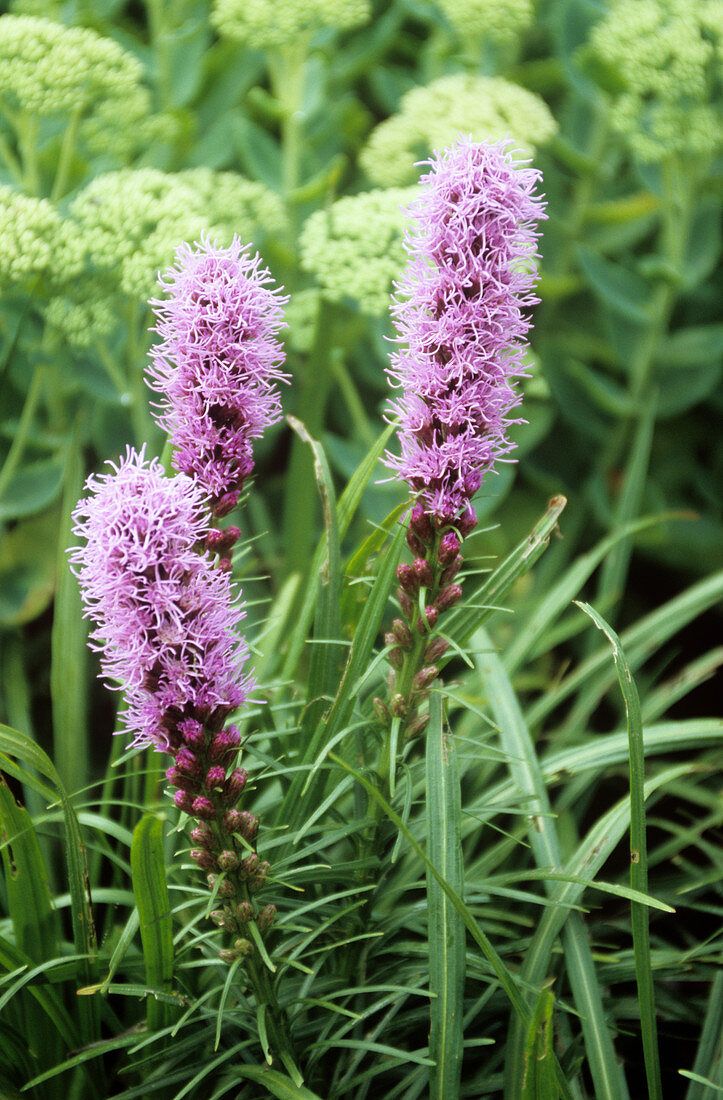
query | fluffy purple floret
[460, 311]
[218, 361]
[165, 620]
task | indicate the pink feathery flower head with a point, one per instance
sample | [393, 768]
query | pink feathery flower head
[460, 312]
[218, 361]
[165, 619]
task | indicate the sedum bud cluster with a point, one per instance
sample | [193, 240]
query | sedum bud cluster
[49, 70]
[269, 24]
[354, 248]
[130, 223]
[667, 54]
[432, 117]
[35, 241]
[492, 20]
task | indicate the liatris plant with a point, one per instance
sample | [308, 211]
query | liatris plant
[165, 622]
[461, 316]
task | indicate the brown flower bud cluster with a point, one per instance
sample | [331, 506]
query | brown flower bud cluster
[209, 786]
[427, 588]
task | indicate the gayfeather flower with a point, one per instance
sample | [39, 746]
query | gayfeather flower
[217, 363]
[460, 314]
[165, 618]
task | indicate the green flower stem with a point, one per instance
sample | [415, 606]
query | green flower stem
[27, 131]
[65, 159]
[17, 447]
[300, 501]
[160, 43]
[11, 161]
[287, 69]
[632, 435]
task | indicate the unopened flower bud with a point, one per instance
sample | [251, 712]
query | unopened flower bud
[256, 882]
[420, 523]
[178, 779]
[244, 912]
[425, 677]
[228, 955]
[243, 948]
[381, 711]
[448, 548]
[402, 633]
[436, 649]
[225, 504]
[417, 726]
[203, 858]
[395, 655]
[423, 572]
[266, 917]
[224, 743]
[215, 777]
[234, 786]
[219, 918]
[405, 603]
[203, 836]
[219, 542]
[249, 865]
[203, 807]
[447, 597]
[424, 625]
[398, 705]
[188, 762]
[248, 825]
[227, 860]
[183, 801]
[231, 821]
[192, 732]
[415, 544]
[467, 521]
[407, 578]
[451, 571]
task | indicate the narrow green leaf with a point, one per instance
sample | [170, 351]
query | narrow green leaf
[615, 567]
[18, 745]
[557, 598]
[325, 655]
[26, 881]
[469, 613]
[539, 1081]
[529, 781]
[276, 1083]
[638, 856]
[154, 910]
[69, 650]
[348, 504]
[446, 930]
[357, 665]
[709, 1056]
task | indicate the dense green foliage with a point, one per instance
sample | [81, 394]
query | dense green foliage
[442, 929]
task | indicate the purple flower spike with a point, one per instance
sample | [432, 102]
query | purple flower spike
[460, 311]
[165, 619]
[217, 363]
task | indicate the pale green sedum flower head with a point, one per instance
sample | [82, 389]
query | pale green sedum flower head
[132, 220]
[354, 249]
[668, 55]
[433, 116]
[48, 69]
[34, 240]
[267, 24]
[497, 20]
